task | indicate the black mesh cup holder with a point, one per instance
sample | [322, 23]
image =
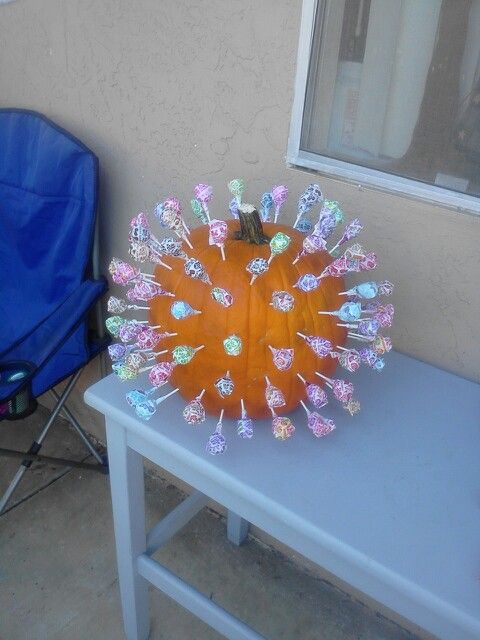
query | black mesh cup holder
[16, 387]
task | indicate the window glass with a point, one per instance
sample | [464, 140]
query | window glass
[394, 85]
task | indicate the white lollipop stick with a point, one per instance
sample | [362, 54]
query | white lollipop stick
[328, 381]
[242, 404]
[167, 395]
[302, 378]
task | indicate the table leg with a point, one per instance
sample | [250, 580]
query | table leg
[128, 502]
[237, 528]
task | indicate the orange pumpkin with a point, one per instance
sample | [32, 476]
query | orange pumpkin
[251, 317]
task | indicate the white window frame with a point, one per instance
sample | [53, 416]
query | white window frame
[344, 170]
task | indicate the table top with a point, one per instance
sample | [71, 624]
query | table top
[389, 502]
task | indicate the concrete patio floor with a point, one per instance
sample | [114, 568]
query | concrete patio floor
[57, 564]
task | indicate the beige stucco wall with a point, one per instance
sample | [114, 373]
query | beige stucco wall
[171, 93]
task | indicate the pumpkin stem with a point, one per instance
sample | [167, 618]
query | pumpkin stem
[251, 229]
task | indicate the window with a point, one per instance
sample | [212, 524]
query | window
[388, 94]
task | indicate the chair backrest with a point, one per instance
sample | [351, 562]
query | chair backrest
[48, 195]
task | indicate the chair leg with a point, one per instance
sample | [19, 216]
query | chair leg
[76, 425]
[37, 444]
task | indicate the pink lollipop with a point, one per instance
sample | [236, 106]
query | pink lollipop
[282, 358]
[352, 230]
[317, 424]
[279, 195]
[349, 359]
[194, 412]
[342, 390]
[311, 244]
[315, 393]
[203, 193]
[122, 272]
[218, 234]
[320, 346]
[160, 373]
[146, 291]
[273, 395]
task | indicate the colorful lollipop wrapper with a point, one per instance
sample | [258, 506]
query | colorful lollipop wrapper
[348, 312]
[198, 211]
[311, 244]
[204, 193]
[171, 247]
[224, 385]
[237, 188]
[319, 425]
[282, 428]
[307, 282]
[352, 230]
[365, 290]
[273, 395]
[182, 353]
[181, 309]
[282, 301]
[279, 196]
[320, 346]
[233, 208]
[160, 373]
[218, 234]
[267, 203]
[194, 411]
[113, 325]
[244, 424]
[222, 296]
[256, 267]
[304, 225]
[232, 345]
[282, 358]
[278, 244]
[216, 443]
[195, 269]
[385, 288]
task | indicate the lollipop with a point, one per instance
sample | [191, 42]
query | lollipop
[182, 353]
[365, 327]
[348, 312]
[305, 225]
[147, 408]
[315, 393]
[194, 411]
[282, 358]
[307, 200]
[203, 193]
[224, 385]
[307, 282]
[195, 269]
[381, 344]
[352, 406]
[349, 359]
[385, 288]
[317, 424]
[236, 188]
[279, 196]
[273, 395]
[113, 324]
[267, 203]
[282, 427]
[245, 424]
[218, 234]
[320, 346]
[352, 230]
[171, 247]
[311, 244]
[123, 273]
[216, 443]
[365, 290]
[232, 345]
[145, 291]
[124, 372]
[198, 211]
[181, 310]
[136, 396]
[342, 390]
[256, 267]
[130, 330]
[160, 373]
[172, 219]
[282, 301]
[233, 208]
[278, 244]
[222, 296]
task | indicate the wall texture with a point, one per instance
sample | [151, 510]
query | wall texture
[172, 93]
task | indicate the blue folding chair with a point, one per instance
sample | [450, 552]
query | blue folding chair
[48, 199]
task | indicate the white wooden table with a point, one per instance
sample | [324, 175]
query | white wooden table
[389, 503]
